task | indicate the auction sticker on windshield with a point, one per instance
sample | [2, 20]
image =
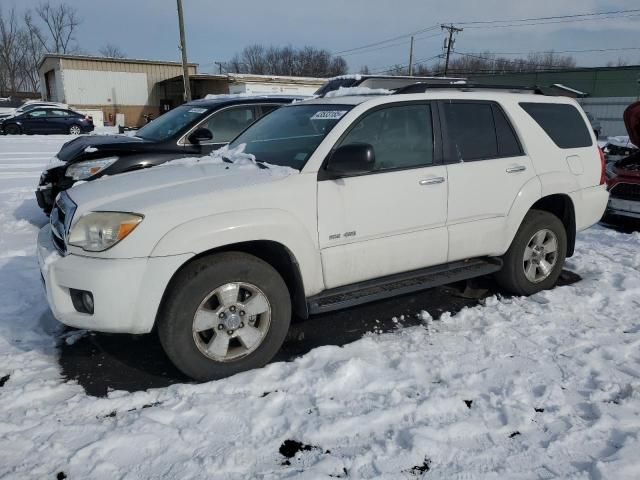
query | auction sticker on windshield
[328, 115]
[198, 110]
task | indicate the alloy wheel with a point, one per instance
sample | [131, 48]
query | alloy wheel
[540, 256]
[231, 322]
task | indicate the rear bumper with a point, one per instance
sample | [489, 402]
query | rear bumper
[126, 292]
[623, 208]
[590, 205]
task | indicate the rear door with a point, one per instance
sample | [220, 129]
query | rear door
[59, 121]
[391, 219]
[486, 168]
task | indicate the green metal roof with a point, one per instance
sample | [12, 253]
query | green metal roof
[597, 82]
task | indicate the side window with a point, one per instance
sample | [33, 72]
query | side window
[508, 144]
[58, 113]
[471, 132]
[268, 109]
[562, 122]
[401, 136]
[37, 114]
[227, 124]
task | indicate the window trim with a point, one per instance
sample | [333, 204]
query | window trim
[437, 141]
[183, 142]
[449, 160]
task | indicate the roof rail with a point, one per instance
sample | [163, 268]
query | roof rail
[422, 87]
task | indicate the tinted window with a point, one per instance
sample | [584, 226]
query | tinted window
[563, 123]
[167, 125]
[227, 124]
[37, 114]
[402, 136]
[268, 108]
[508, 144]
[58, 113]
[471, 132]
[289, 135]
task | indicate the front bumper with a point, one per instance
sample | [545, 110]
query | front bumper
[127, 292]
[623, 208]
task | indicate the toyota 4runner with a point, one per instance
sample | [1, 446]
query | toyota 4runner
[326, 204]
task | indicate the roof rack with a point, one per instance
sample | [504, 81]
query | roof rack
[422, 87]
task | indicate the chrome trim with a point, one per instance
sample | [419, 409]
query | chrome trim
[60, 220]
[516, 168]
[432, 181]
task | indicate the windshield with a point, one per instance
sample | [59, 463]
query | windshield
[167, 125]
[289, 135]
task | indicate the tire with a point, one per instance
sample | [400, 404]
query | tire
[513, 277]
[75, 130]
[12, 130]
[193, 290]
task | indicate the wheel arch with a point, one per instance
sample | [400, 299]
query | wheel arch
[561, 205]
[274, 253]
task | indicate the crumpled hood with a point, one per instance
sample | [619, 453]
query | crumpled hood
[632, 122]
[174, 183]
[101, 146]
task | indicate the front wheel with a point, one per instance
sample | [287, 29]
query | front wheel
[12, 130]
[224, 314]
[536, 256]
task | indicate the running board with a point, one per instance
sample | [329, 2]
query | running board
[401, 283]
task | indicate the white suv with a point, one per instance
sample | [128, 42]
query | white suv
[321, 205]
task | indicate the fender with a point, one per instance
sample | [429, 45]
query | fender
[214, 231]
[529, 194]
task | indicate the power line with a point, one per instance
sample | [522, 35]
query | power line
[554, 21]
[382, 42]
[391, 68]
[563, 51]
[550, 18]
[403, 43]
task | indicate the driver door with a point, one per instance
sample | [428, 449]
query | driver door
[393, 218]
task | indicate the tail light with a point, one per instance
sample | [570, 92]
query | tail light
[88, 118]
[603, 164]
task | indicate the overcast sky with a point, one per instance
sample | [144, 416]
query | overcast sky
[218, 29]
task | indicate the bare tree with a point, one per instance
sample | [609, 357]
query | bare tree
[11, 51]
[59, 27]
[112, 51]
[34, 50]
[306, 61]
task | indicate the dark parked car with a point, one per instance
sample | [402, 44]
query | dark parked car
[193, 129]
[47, 120]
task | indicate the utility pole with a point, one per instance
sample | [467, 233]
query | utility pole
[183, 49]
[220, 64]
[411, 58]
[449, 43]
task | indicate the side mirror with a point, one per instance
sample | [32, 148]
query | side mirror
[352, 159]
[200, 135]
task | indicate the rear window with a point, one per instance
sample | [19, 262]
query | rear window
[563, 123]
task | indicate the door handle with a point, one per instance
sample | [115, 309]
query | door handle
[431, 181]
[516, 169]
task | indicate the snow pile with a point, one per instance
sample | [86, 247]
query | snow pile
[348, 91]
[539, 387]
[235, 156]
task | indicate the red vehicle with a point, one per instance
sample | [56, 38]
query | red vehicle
[623, 176]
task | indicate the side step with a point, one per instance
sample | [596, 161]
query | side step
[401, 283]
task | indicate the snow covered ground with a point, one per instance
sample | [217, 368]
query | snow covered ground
[523, 388]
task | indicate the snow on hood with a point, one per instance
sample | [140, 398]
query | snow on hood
[632, 122]
[347, 91]
[178, 180]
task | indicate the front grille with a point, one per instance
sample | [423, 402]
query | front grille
[60, 221]
[626, 191]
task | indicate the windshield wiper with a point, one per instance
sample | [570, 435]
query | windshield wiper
[227, 160]
[262, 165]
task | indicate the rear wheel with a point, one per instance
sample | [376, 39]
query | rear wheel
[75, 130]
[536, 256]
[12, 130]
[225, 313]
